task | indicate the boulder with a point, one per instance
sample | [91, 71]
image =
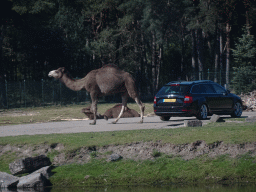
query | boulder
[7, 180]
[34, 180]
[251, 119]
[45, 171]
[28, 165]
[216, 118]
[193, 123]
[114, 157]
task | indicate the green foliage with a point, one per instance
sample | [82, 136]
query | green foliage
[244, 79]
[245, 50]
[134, 34]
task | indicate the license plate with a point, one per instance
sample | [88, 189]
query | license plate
[170, 100]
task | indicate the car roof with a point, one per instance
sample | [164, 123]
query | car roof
[189, 82]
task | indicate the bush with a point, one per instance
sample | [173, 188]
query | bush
[244, 79]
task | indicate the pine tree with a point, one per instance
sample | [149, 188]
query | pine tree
[244, 54]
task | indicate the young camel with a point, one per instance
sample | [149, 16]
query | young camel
[100, 82]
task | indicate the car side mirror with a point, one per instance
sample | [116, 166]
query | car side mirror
[226, 93]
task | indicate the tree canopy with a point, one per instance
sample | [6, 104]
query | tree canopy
[157, 41]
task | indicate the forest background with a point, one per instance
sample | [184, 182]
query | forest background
[157, 41]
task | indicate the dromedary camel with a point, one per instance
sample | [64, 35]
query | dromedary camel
[100, 82]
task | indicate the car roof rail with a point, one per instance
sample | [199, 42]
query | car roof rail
[190, 82]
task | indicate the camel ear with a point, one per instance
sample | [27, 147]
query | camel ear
[62, 69]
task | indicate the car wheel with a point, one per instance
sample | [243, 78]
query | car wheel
[237, 110]
[165, 118]
[203, 112]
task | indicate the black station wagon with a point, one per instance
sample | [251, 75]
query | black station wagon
[195, 98]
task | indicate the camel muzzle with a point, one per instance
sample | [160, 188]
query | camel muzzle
[52, 74]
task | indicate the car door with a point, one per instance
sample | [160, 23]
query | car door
[224, 101]
[211, 98]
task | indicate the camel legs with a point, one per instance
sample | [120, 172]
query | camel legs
[124, 106]
[142, 108]
[94, 109]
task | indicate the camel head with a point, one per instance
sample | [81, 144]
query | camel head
[58, 73]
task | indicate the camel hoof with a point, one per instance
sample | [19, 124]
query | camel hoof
[113, 122]
[93, 123]
[140, 122]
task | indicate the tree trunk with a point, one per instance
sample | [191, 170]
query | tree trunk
[193, 77]
[217, 54]
[247, 22]
[228, 29]
[221, 55]
[143, 63]
[3, 100]
[200, 52]
[153, 61]
[158, 66]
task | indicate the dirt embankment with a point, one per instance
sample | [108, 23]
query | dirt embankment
[135, 151]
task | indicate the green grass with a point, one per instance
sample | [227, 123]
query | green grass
[5, 159]
[234, 133]
[163, 170]
[56, 113]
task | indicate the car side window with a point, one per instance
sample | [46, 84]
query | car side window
[196, 89]
[219, 89]
[208, 88]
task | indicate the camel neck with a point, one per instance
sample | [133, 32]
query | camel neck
[71, 83]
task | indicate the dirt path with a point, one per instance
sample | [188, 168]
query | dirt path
[102, 125]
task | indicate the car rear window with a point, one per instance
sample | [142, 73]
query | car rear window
[173, 89]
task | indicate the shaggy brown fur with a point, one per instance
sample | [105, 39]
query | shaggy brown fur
[111, 113]
[90, 115]
[100, 82]
[115, 111]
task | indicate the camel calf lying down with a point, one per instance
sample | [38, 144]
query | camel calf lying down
[111, 113]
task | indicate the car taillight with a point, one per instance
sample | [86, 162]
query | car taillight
[188, 99]
[154, 100]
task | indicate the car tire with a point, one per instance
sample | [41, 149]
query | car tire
[202, 112]
[165, 118]
[238, 110]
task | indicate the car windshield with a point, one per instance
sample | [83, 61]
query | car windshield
[173, 89]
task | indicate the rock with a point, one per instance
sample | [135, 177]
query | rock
[114, 157]
[34, 180]
[251, 119]
[216, 118]
[249, 101]
[29, 164]
[46, 172]
[7, 180]
[193, 123]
